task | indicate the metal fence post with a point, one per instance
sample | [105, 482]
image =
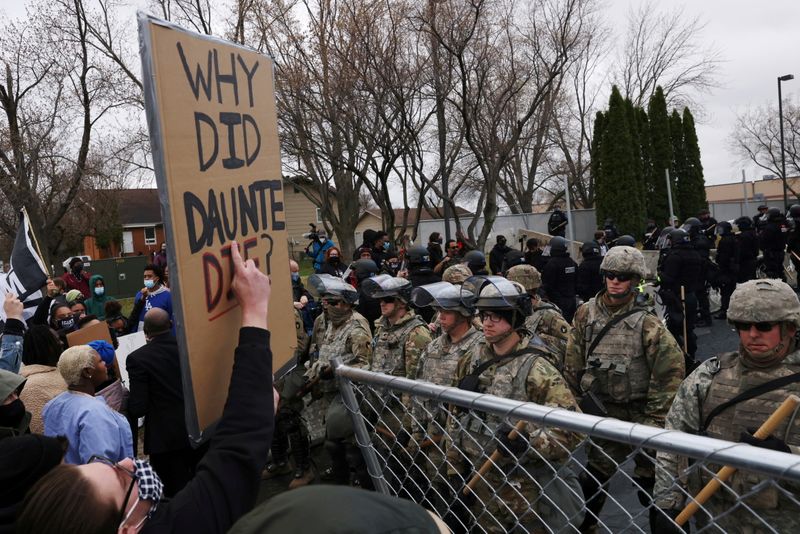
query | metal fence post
[362, 435]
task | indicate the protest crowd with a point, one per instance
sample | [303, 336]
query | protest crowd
[530, 325]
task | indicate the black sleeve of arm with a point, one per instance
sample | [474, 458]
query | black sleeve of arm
[42, 311]
[133, 319]
[228, 478]
[14, 327]
[137, 377]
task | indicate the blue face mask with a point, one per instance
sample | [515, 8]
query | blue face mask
[149, 284]
[99, 291]
[295, 277]
[386, 246]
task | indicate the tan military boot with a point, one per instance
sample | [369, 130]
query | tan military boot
[302, 477]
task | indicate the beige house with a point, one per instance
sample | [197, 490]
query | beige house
[300, 211]
[757, 191]
[371, 219]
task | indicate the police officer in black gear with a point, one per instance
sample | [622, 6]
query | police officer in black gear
[611, 231]
[626, 240]
[497, 254]
[707, 223]
[760, 218]
[727, 260]
[651, 236]
[681, 268]
[534, 254]
[772, 242]
[557, 224]
[746, 249]
[588, 280]
[420, 273]
[793, 239]
[476, 261]
[367, 306]
[703, 245]
[558, 278]
[512, 259]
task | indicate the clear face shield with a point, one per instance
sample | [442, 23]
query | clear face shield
[384, 285]
[321, 285]
[439, 295]
[490, 292]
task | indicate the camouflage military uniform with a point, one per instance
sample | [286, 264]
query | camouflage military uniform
[714, 382]
[635, 371]
[508, 497]
[548, 323]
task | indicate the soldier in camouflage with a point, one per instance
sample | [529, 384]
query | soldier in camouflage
[345, 336]
[289, 426]
[508, 363]
[629, 370]
[437, 364]
[766, 315]
[546, 320]
[456, 275]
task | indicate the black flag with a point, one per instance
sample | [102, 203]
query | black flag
[27, 274]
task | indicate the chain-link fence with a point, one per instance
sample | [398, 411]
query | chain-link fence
[485, 463]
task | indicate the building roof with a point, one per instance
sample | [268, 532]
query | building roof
[138, 207]
[428, 214]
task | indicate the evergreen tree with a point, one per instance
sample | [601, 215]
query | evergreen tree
[631, 114]
[678, 172]
[597, 137]
[617, 195]
[695, 187]
[646, 150]
[661, 159]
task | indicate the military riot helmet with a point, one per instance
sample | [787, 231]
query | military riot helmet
[794, 211]
[513, 258]
[743, 223]
[625, 240]
[558, 245]
[774, 215]
[365, 268]
[386, 285]
[441, 295]
[590, 250]
[663, 240]
[418, 255]
[497, 294]
[526, 275]
[475, 260]
[692, 226]
[325, 285]
[678, 236]
[723, 228]
[624, 259]
[456, 274]
[764, 300]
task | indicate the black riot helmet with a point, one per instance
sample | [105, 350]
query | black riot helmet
[678, 236]
[692, 226]
[558, 245]
[418, 256]
[626, 240]
[512, 259]
[590, 250]
[475, 260]
[774, 215]
[743, 223]
[723, 228]
[365, 268]
[794, 211]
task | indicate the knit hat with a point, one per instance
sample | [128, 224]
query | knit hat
[9, 383]
[104, 349]
[74, 260]
[74, 295]
[23, 461]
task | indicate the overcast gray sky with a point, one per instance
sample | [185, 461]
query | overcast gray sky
[759, 41]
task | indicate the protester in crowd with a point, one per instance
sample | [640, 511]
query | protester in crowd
[452, 257]
[333, 264]
[96, 304]
[534, 254]
[435, 248]
[161, 256]
[77, 278]
[60, 286]
[112, 390]
[760, 218]
[88, 423]
[41, 350]
[422, 272]
[52, 292]
[157, 395]
[152, 295]
[23, 461]
[116, 321]
[601, 242]
[367, 306]
[13, 330]
[317, 247]
[348, 510]
[62, 320]
[369, 239]
[497, 254]
[226, 484]
[558, 278]
[14, 418]
[380, 247]
[363, 253]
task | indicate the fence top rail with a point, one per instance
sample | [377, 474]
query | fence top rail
[738, 455]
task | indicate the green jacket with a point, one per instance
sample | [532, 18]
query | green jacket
[96, 305]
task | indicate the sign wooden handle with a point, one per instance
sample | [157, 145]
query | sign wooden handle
[385, 432]
[764, 431]
[493, 459]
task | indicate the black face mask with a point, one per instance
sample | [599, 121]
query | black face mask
[11, 414]
[334, 259]
[77, 269]
[66, 324]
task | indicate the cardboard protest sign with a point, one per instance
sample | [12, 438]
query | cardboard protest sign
[89, 333]
[213, 131]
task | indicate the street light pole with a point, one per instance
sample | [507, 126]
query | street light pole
[784, 78]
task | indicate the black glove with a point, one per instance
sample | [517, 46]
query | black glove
[516, 446]
[663, 522]
[768, 443]
[469, 383]
[327, 373]
[403, 438]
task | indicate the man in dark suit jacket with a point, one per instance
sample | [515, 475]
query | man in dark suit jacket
[157, 394]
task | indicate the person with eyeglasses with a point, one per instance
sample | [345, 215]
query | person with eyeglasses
[511, 363]
[124, 495]
[346, 335]
[628, 366]
[729, 396]
[452, 256]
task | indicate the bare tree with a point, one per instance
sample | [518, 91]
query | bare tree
[663, 48]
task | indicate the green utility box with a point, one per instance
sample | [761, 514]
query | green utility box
[123, 276]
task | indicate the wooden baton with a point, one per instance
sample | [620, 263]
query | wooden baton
[493, 459]
[778, 416]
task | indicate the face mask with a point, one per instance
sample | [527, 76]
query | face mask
[99, 291]
[149, 284]
[323, 239]
[440, 240]
[338, 315]
[11, 414]
[77, 269]
[295, 277]
[334, 259]
[66, 324]
[150, 488]
[386, 246]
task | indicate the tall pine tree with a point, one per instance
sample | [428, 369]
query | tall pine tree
[678, 171]
[631, 114]
[695, 187]
[646, 150]
[658, 205]
[597, 138]
[617, 194]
